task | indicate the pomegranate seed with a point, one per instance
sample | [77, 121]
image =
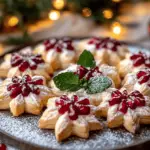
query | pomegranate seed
[11, 86]
[84, 101]
[124, 107]
[143, 76]
[3, 147]
[75, 97]
[70, 47]
[145, 79]
[139, 102]
[36, 90]
[27, 78]
[116, 94]
[15, 92]
[38, 82]
[64, 108]
[92, 73]
[33, 67]
[131, 104]
[23, 66]
[140, 74]
[46, 42]
[73, 116]
[139, 61]
[83, 110]
[114, 101]
[58, 49]
[25, 90]
[59, 102]
[16, 62]
[81, 71]
[65, 98]
[91, 42]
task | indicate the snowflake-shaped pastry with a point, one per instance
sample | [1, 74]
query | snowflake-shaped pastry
[69, 115]
[127, 109]
[105, 50]
[138, 81]
[24, 94]
[133, 63]
[26, 63]
[58, 53]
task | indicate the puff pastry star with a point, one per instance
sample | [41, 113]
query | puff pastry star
[129, 110]
[138, 81]
[106, 50]
[25, 63]
[24, 94]
[58, 53]
[69, 115]
[133, 63]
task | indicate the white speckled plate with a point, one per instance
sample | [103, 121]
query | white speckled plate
[25, 129]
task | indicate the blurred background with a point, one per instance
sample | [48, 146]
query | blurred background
[27, 21]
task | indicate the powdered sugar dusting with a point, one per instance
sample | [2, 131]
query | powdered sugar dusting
[25, 128]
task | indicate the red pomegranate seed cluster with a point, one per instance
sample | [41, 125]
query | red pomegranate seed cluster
[84, 72]
[105, 43]
[58, 45]
[26, 61]
[74, 107]
[125, 100]
[3, 147]
[140, 59]
[144, 76]
[24, 86]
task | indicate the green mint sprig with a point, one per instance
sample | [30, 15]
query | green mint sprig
[86, 60]
[69, 81]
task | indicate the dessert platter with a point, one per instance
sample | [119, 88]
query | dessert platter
[91, 93]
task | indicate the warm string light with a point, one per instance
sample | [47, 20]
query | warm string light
[116, 28]
[116, 1]
[58, 4]
[54, 15]
[11, 21]
[107, 13]
[1, 49]
[86, 12]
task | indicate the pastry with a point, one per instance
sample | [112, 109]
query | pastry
[112, 72]
[127, 109]
[138, 81]
[58, 53]
[5, 66]
[133, 62]
[69, 115]
[105, 50]
[26, 63]
[85, 81]
[24, 94]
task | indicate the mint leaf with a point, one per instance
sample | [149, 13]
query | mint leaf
[98, 84]
[86, 59]
[67, 81]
